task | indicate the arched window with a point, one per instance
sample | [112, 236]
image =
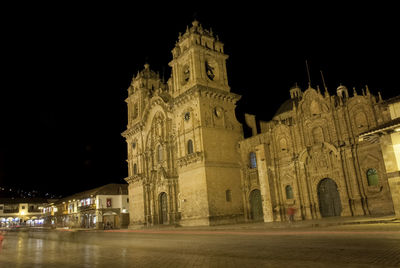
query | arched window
[190, 146]
[228, 195]
[135, 111]
[253, 160]
[134, 169]
[289, 192]
[372, 177]
[160, 153]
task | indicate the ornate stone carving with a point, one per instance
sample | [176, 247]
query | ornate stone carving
[190, 159]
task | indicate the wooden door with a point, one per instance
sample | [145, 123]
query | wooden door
[163, 209]
[329, 198]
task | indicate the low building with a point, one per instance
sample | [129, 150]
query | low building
[22, 211]
[388, 135]
[105, 206]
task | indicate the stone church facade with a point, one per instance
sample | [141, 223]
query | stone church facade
[189, 163]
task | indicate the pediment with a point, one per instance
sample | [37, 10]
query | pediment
[370, 160]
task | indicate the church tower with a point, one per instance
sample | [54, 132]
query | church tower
[207, 132]
[198, 59]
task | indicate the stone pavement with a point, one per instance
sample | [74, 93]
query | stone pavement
[364, 245]
[324, 222]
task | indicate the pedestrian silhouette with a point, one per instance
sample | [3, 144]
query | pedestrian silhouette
[291, 211]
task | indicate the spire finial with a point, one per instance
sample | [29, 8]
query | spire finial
[354, 91]
[326, 93]
[163, 74]
[323, 79]
[308, 74]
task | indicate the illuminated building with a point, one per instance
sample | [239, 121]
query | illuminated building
[190, 164]
[21, 211]
[91, 209]
[388, 136]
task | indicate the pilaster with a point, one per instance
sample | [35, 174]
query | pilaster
[265, 182]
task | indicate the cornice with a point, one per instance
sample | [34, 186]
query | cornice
[134, 179]
[208, 92]
[133, 130]
[190, 159]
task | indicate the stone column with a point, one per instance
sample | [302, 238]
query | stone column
[264, 183]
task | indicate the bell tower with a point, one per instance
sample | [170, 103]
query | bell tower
[198, 59]
[142, 87]
[207, 131]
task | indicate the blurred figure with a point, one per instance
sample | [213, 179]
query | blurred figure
[1, 240]
[291, 211]
[107, 226]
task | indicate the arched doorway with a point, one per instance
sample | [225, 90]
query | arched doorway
[256, 209]
[329, 198]
[163, 208]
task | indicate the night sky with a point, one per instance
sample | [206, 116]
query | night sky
[66, 70]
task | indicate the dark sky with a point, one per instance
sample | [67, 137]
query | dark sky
[66, 70]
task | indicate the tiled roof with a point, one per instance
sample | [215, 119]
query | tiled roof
[23, 200]
[108, 189]
[393, 100]
[388, 125]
